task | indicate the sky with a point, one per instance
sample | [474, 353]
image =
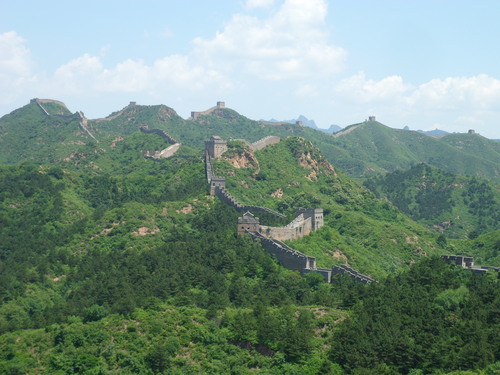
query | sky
[424, 64]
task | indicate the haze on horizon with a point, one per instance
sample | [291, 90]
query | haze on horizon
[421, 64]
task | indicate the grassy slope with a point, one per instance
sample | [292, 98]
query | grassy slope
[28, 135]
[374, 237]
[373, 148]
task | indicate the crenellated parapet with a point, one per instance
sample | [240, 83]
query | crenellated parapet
[195, 115]
[162, 154]
[346, 270]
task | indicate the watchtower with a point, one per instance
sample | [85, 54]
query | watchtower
[372, 118]
[221, 105]
[248, 222]
[216, 146]
[217, 182]
[316, 215]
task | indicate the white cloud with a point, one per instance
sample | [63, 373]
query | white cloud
[479, 92]
[358, 87]
[16, 66]
[453, 103]
[133, 76]
[291, 43]
[254, 4]
[15, 57]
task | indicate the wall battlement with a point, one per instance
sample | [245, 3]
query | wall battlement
[160, 132]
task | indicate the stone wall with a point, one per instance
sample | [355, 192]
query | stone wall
[306, 221]
[286, 256]
[165, 153]
[264, 142]
[160, 132]
[82, 120]
[195, 115]
[346, 270]
[298, 228]
[468, 263]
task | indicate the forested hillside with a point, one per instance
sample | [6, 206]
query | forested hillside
[369, 234]
[113, 262]
[454, 205]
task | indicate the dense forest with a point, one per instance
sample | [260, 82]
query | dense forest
[457, 206]
[112, 263]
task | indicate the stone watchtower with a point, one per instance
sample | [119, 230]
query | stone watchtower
[316, 215]
[217, 182]
[248, 223]
[216, 146]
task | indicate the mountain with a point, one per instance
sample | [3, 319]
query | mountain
[38, 133]
[451, 204]
[294, 174]
[370, 148]
[361, 150]
[312, 124]
[112, 261]
[28, 134]
[333, 129]
[434, 133]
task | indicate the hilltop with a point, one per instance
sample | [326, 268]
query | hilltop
[360, 150]
[371, 148]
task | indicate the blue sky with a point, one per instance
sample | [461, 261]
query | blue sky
[423, 64]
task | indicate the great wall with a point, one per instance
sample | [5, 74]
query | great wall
[82, 120]
[468, 263]
[165, 153]
[306, 221]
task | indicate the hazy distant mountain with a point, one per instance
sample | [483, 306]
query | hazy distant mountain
[434, 133]
[305, 122]
[332, 129]
[311, 124]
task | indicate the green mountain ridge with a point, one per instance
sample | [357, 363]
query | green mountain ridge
[360, 150]
[111, 262]
[371, 148]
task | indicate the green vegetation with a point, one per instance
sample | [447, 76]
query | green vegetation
[373, 148]
[454, 205]
[426, 319]
[370, 234]
[114, 263]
